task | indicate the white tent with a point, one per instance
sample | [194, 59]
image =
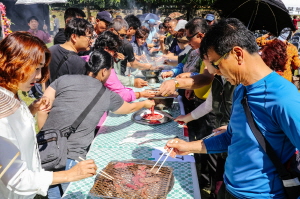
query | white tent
[293, 6]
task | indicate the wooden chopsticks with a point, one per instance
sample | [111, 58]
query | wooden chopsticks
[9, 164]
[164, 159]
[103, 173]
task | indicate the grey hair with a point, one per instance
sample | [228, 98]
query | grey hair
[118, 24]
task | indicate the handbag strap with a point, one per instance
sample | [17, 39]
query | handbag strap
[84, 113]
[284, 174]
[63, 60]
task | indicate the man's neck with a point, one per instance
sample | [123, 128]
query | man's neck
[255, 71]
[34, 30]
[69, 46]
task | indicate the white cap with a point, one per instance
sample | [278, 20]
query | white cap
[180, 25]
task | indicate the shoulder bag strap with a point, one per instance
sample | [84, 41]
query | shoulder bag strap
[65, 58]
[284, 174]
[84, 113]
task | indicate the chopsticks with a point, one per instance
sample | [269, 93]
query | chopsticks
[106, 175]
[210, 135]
[103, 173]
[9, 164]
[164, 159]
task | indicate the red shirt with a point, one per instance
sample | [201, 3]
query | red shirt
[295, 22]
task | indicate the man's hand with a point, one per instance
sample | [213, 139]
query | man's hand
[167, 88]
[147, 94]
[220, 130]
[184, 75]
[162, 39]
[180, 147]
[167, 74]
[45, 28]
[139, 83]
[189, 94]
[167, 62]
[119, 56]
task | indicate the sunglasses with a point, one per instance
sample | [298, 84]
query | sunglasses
[121, 35]
[190, 37]
[216, 63]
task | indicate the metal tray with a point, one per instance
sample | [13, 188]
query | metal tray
[137, 117]
[155, 190]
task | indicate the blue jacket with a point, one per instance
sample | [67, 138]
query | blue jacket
[275, 106]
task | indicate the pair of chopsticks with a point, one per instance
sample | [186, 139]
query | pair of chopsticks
[163, 154]
[9, 164]
[103, 173]
[210, 135]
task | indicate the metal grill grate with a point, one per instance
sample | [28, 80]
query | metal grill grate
[128, 183]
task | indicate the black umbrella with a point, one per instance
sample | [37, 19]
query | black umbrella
[270, 15]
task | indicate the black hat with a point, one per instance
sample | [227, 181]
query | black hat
[104, 15]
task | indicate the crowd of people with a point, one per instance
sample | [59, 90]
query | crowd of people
[215, 64]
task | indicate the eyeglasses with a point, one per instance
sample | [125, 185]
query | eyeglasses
[121, 35]
[190, 37]
[216, 63]
[91, 37]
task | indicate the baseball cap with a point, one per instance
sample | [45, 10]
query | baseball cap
[151, 21]
[180, 25]
[104, 15]
[210, 17]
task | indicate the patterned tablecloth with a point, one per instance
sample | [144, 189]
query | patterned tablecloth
[121, 139]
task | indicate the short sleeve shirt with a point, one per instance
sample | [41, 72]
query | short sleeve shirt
[73, 95]
[127, 50]
[73, 65]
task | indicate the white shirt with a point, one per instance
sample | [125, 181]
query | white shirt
[203, 108]
[30, 179]
[206, 106]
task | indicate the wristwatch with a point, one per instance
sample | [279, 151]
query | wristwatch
[176, 83]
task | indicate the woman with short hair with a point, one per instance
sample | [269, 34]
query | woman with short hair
[24, 60]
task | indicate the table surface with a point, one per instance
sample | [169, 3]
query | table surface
[120, 138]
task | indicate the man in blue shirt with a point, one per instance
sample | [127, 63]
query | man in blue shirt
[274, 102]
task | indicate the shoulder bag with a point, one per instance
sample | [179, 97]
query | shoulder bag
[288, 172]
[53, 143]
[63, 60]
